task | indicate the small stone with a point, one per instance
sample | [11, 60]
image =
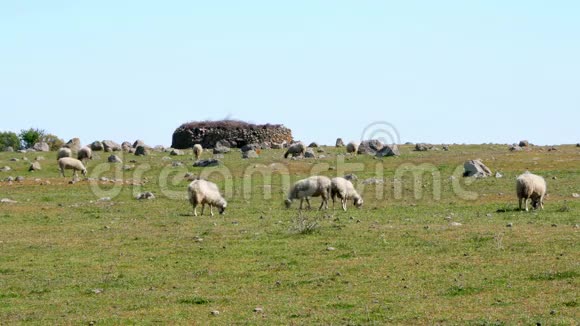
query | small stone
[330, 249]
[553, 312]
[19, 179]
[145, 195]
[498, 175]
[259, 310]
[509, 225]
[278, 283]
[448, 218]
[554, 225]
[575, 195]
[97, 291]
[5, 169]
[14, 160]
[554, 178]
[177, 164]
[455, 224]
[215, 313]
[104, 199]
[489, 215]
[104, 179]
[7, 201]
[35, 167]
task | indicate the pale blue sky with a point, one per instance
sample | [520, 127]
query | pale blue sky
[439, 71]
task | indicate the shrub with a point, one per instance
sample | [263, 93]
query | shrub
[9, 139]
[53, 141]
[31, 136]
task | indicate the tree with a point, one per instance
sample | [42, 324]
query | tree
[9, 139]
[31, 136]
[53, 141]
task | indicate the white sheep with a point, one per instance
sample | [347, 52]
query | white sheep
[204, 192]
[197, 150]
[531, 186]
[63, 152]
[295, 149]
[69, 163]
[343, 189]
[352, 147]
[85, 154]
[310, 187]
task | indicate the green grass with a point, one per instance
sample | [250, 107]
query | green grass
[68, 258]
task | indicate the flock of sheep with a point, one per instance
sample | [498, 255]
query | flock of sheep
[202, 192]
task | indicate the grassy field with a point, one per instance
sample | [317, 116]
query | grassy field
[68, 256]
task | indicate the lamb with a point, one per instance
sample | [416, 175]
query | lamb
[197, 150]
[204, 192]
[63, 152]
[352, 147]
[310, 187]
[85, 154]
[295, 149]
[531, 186]
[69, 163]
[343, 189]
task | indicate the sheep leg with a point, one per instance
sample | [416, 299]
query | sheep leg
[520, 202]
[542, 203]
[526, 204]
[194, 209]
[344, 204]
[211, 210]
[202, 208]
[308, 203]
[301, 201]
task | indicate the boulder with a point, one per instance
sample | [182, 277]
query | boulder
[145, 195]
[250, 154]
[176, 152]
[141, 151]
[97, 146]
[277, 145]
[370, 147]
[515, 148]
[476, 168]
[35, 166]
[8, 149]
[138, 143]
[220, 149]
[423, 147]
[114, 159]
[5, 169]
[524, 143]
[388, 150]
[351, 177]
[159, 148]
[309, 153]
[224, 143]
[206, 163]
[250, 147]
[339, 142]
[313, 145]
[446, 148]
[111, 146]
[74, 144]
[41, 147]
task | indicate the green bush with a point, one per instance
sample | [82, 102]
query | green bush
[9, 139]
[53, 141]
[31, 136]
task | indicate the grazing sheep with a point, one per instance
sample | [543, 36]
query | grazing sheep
[85, 154]
[69, 163]
[343, 189]
[63, 152]
[310, 187]
[295, 149]
[531, 186]
[204, 192]
[197, 150]
[352, 147]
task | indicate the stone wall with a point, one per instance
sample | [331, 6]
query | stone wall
[230, 133]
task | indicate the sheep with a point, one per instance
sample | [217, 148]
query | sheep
[310, 187]
[197, 150]
[531, 186]
[69, 163]
[204, 192]
[63, 152]
[343, 189]
[352, 147]
[295, 149]
[85, 154]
